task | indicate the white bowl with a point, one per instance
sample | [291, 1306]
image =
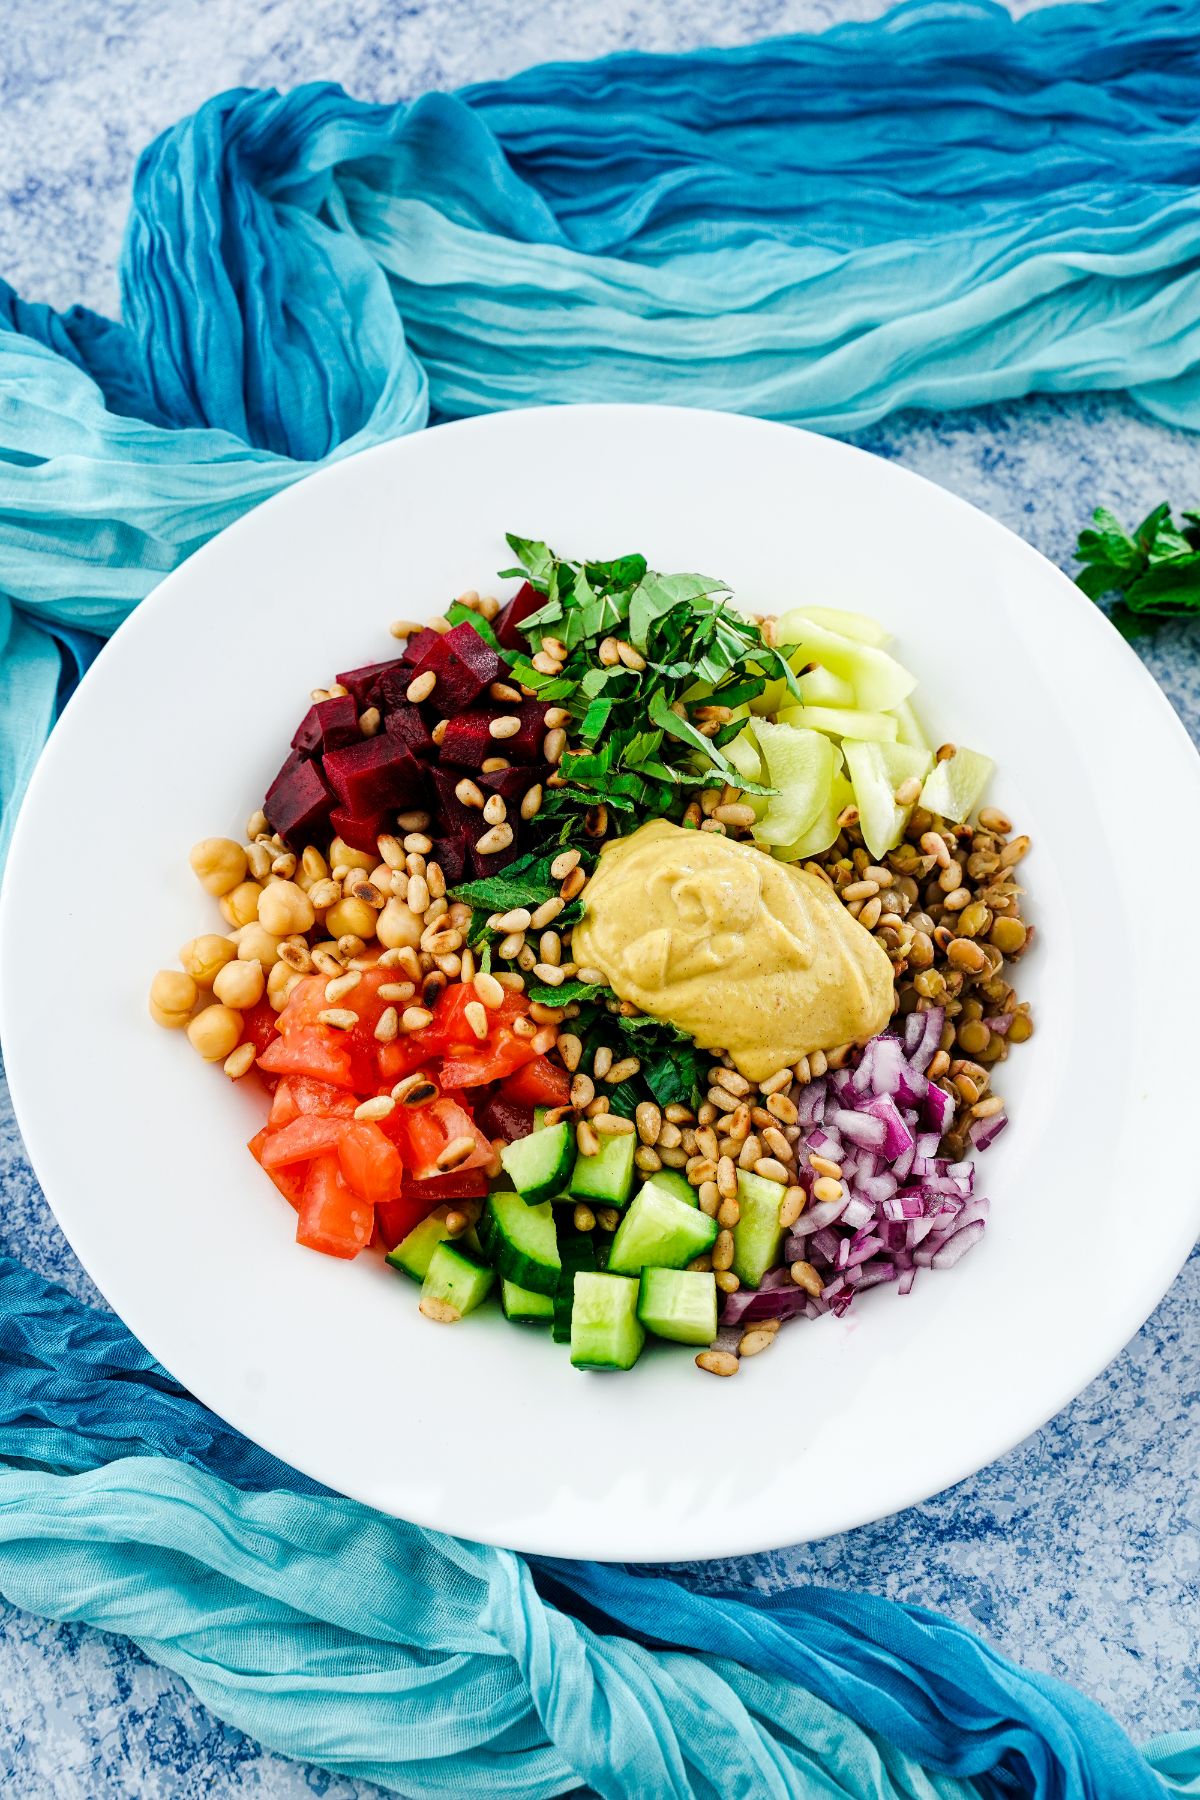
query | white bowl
[484, 1430]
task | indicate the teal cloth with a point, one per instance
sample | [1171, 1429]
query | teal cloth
[939, 208]
[936, 209]
[437, 1667]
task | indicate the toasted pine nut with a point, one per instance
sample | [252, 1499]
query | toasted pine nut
[415, 1018]
[806, 1277]
[563, 864]
[611, 1124]
[621, 1071]
[497, 839]
[340, 1017]
[239, 1062]
[531, 801]
[341, 985]
[506, 726]
[586, 1141]
[489, 990]
[475, 1013]
[378, 1108]
[717, 1362]
[791, 1206]
[455, 1153]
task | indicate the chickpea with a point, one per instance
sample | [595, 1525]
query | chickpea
[219, 864]
[352, 918]
[284, 908]
[340, 854]
[203, 957]
[172, 997]
[240, 905]
[398, 926]
[256, 944]
[280, 983]
[240, 984]
[215, 1032]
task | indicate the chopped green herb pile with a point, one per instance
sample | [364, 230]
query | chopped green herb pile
[1156, 571]
[641, 737]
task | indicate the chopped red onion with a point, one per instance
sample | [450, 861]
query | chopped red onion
[902, 1205]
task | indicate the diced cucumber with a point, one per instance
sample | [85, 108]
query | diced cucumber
[523, 1306]
[520, 1240]
[909, 729]
[841, 721]
[876, 771]
[878, 680]
[660, 1231]
[757, 1236]
[672, 1182]
[955, 787]
[824, 828]
[680, 1304]
[854, 625]
[607, 1176]
[413, 1252]
[455, 1283]
[538, 1165]
[578, 1252]
[801, 765]
[606, 1332]
[821, 687]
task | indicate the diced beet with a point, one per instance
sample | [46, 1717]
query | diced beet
[501, 1118]
[363, 682]
[361, 833]
[492, 865]
[452, 815]
[526, 746]
[298, 801]
[409, 728]
[329, 725]
[467, 742]
[526, 600]
[416, 647]
[375, 775]
[463, 664]
[450, 854]
[510, 784]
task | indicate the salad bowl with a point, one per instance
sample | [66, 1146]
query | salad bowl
[477, 1430]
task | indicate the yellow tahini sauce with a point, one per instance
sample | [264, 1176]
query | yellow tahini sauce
[744, 953]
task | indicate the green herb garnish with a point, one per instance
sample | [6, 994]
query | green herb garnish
[1156, 571]
[643, 736]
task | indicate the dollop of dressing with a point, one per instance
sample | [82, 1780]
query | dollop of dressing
[744, 953]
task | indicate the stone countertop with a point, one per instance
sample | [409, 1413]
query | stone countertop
[1077, 1553]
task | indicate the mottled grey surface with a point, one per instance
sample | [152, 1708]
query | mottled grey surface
[1077, 1553]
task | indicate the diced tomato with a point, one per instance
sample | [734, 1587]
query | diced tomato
[312, 1050]
[426, 1130]
[308, 1135]
[289, 1181]
[258, 1025]
[320, 1096]
[404, 1056]
[501, 1055]
[539, 1083]
[370, 1161]
[332, 1218]
[283, 1104]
